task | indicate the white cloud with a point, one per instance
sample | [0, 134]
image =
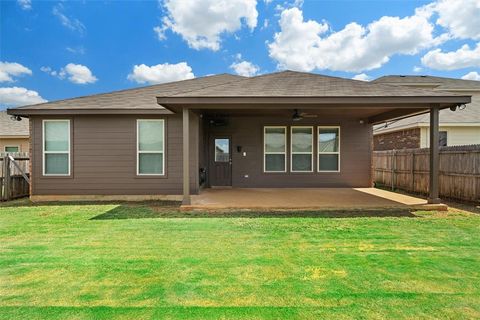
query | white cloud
[161, 73]
[202, 22]
[79, 74]
[25, 4]
[75, 73]
[49, 70]
[16, 96]
[68, 22]
[265, 24]
[308, 45]
[76, 50]
[460, 17]
[417, 69]
[245, 68]
[8, 70]
[462, 58]
[472, 76]
[160, 31]
[361, 77]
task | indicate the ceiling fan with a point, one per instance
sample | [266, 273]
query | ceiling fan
[297, 116]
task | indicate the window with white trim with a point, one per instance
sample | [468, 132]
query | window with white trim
[301, 149]
[151, 147]
[56, 147]
[328, 149]
[275, 149]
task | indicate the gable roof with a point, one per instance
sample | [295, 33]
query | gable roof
[136, 99]
[301, 84]
[469, 116]
[13, 128]
[439, 83]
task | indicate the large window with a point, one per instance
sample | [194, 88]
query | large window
[301, 149]
[56, 147]
[275, 149]
[328, 149]
[150, 147]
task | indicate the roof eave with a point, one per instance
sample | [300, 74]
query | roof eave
[454, 99]
[175, 104]
[33, 112]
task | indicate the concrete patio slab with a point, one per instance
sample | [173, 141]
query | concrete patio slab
[306, 199]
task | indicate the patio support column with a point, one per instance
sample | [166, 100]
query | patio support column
[434, 156]
[186, 156]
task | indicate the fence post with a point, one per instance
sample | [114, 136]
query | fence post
[394, 167]
[6, 178]
[413, 171]
[475, 177]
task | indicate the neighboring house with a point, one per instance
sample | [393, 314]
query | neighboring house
[14, 135]
[285, 129]
[460, 127]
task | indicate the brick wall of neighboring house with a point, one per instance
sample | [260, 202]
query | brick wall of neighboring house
[404, 139]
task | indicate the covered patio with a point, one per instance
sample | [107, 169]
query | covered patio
[307, 199]
[241, 111]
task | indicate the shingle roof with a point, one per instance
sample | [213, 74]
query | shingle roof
[286, 85]
[470, 115]
[301, 84]
[9, 127]
[137, 98]
[441, 83]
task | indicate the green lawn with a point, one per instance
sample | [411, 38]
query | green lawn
[150, 261]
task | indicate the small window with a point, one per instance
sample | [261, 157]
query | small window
[12, 149]
[442, 139]
[275, 149]
[301, 149]
[150, 147]
[328, 149]
[56, 147]
[222, 150]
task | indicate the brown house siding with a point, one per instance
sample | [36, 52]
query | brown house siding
[104, 158]
[403, 139]
[247, 132]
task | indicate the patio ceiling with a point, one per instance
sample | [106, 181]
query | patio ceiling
[367, 114]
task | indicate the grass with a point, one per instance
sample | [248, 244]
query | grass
[150, 261]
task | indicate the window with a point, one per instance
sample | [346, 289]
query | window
[56, 147]
[222, 150]
[301, 139]
[328, 149]
[150, 147]
[12, 148]
[442, 139]
[275, 149]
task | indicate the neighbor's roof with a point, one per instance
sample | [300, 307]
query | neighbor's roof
[10, 127]
[439, 83]
[469, 116]
[135, 99]
[302, 84]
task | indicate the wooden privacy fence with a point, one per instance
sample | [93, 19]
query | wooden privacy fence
[14, 175]
[408, 169]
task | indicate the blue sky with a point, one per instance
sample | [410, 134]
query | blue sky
[54, 50]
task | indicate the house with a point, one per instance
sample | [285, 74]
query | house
[461, 127]
[285, 129]
[14, 135]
